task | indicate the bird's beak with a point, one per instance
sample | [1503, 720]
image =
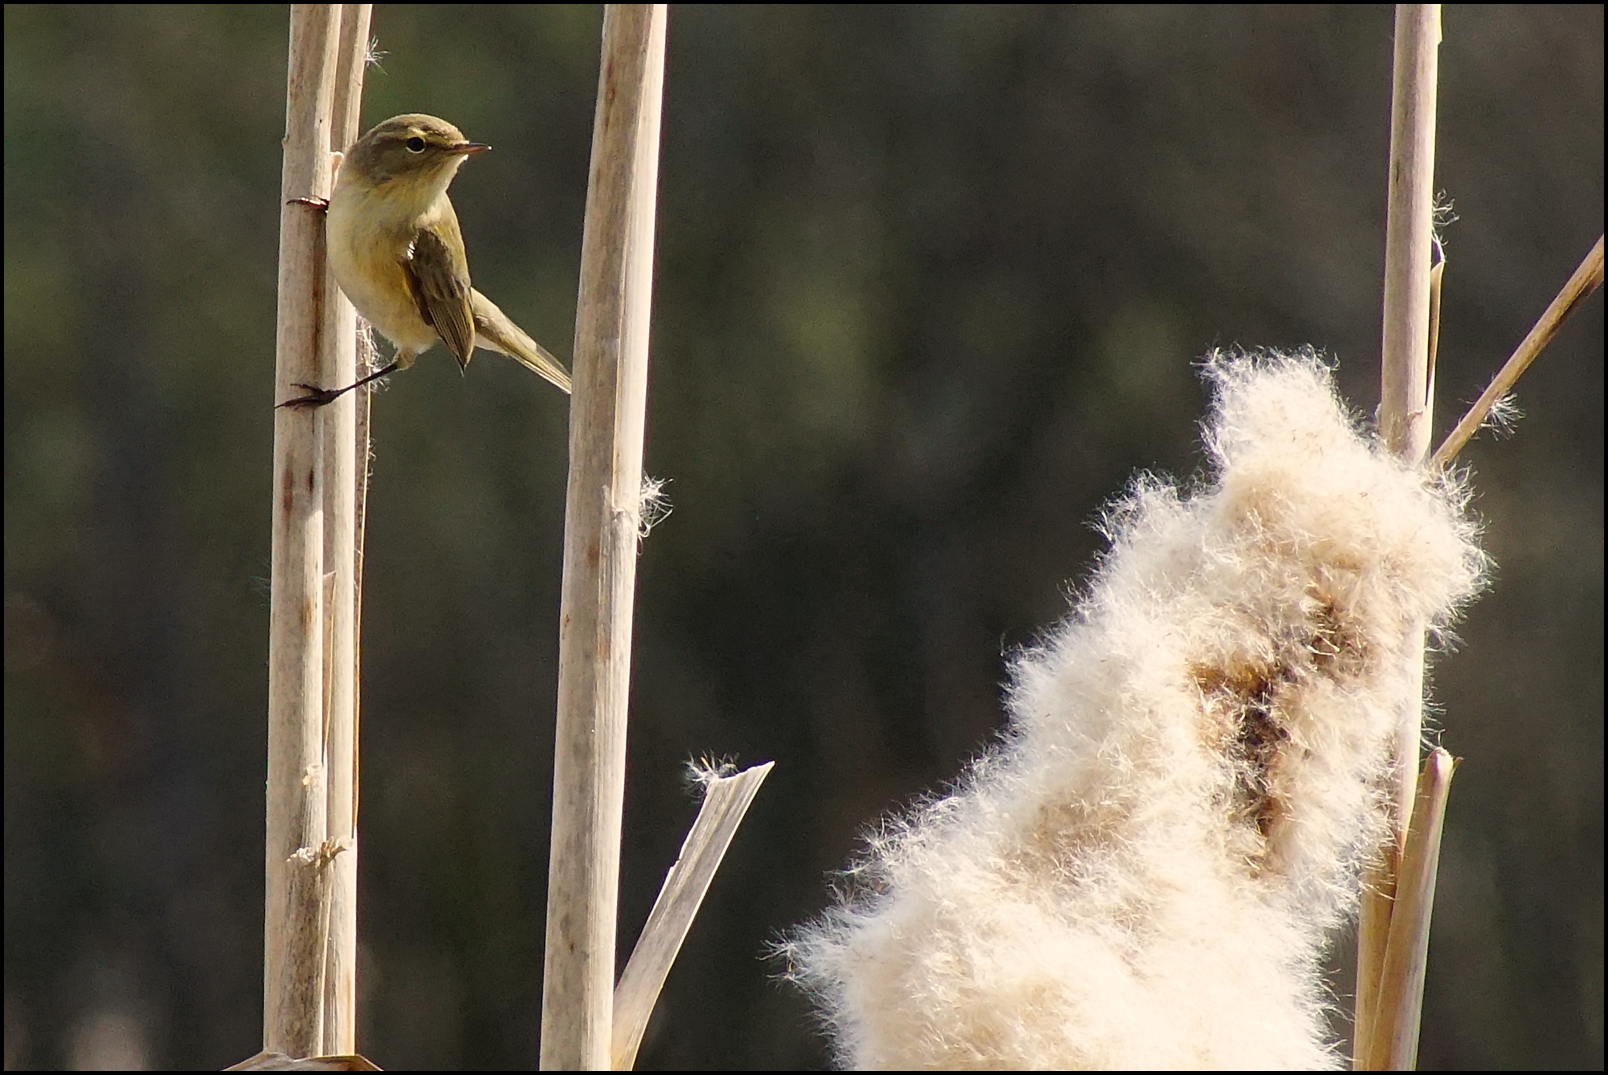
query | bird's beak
[470, 147]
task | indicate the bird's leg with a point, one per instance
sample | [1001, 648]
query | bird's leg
[317, 397]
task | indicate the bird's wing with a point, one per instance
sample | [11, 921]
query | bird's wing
[440, 286]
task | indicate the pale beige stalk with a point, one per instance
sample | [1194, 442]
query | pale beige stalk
[601, 523]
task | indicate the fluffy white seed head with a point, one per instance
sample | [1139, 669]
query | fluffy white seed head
[1143, 873]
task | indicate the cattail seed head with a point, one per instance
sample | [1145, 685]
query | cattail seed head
[1145, 870]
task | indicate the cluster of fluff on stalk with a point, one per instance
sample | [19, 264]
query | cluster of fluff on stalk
[1143, 873]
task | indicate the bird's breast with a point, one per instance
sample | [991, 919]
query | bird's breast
[367, 258]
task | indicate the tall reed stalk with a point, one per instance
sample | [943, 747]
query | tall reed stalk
[309, 947]
[601, 526]
[1406, 409]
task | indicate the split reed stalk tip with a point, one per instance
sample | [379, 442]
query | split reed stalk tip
[1586, 278]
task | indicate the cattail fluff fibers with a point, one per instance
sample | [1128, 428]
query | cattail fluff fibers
[1143, 872]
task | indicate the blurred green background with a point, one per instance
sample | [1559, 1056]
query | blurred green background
[930, 284]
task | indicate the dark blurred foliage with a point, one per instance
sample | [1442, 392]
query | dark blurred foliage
[930, 283]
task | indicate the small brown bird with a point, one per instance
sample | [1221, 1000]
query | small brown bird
[397, 253]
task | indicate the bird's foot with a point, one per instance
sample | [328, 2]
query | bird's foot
[315, 397]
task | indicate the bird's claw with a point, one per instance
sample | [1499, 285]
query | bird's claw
[315, 397]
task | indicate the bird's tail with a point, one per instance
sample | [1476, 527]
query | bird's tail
[497, 332]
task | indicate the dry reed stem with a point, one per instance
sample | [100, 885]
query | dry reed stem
[1401, 997]
[295, 899]
[1586, 278]
[1405, 414]
[601, 523]
[342, 457]
[726, 800]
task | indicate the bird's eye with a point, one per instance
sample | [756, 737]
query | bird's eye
[415, 144]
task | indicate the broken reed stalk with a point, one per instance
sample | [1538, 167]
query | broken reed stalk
[1405, 414]
[1401, 991]
[309, 984]
[601, 524]
[726, 800]
[1585, 279]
